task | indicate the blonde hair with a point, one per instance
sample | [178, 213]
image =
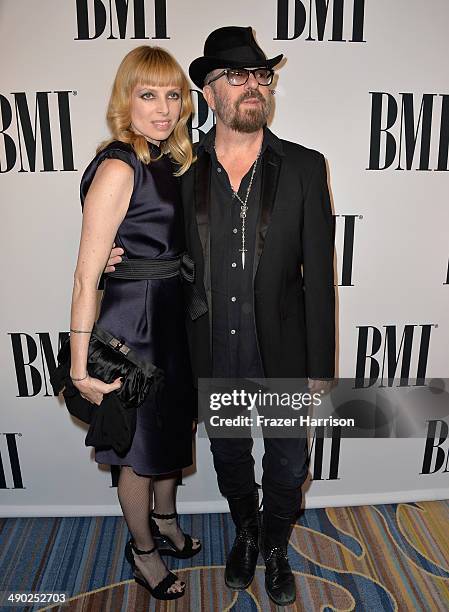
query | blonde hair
[155, 67]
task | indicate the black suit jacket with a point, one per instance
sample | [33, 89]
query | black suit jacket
[293, 267]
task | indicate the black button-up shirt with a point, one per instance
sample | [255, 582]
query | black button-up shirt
[235, 351]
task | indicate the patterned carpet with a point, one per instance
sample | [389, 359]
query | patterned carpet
[373, 558]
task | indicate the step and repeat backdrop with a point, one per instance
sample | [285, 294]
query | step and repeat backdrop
[366, 83]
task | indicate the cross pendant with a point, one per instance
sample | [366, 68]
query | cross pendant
[243, 251]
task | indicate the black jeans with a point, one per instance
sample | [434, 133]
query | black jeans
[284, 464]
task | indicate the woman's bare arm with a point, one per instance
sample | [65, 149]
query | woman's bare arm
[105, 207]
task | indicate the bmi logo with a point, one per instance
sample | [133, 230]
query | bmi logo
[392, 352]
[345, 230]
[326, 454]
[34, 360]
[409, 132]
[42, 124]
[134, 19]
[203, 118]
[10, 470]
[335, 21]
[436, 450]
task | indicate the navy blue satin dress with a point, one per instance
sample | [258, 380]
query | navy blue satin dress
[149, 315]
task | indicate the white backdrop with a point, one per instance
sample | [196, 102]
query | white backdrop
[343, 71]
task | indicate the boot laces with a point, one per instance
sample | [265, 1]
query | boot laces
[280, 552]
[246, 537]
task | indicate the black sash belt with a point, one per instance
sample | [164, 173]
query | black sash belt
[145, 269]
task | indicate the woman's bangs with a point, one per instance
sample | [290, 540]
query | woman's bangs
[159, 71]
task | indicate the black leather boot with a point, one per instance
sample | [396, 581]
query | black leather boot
[279, 579]
[242, 559]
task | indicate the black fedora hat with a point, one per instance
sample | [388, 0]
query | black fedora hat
[230, 47]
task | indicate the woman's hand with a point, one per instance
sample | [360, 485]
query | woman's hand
[93, 389]
[115, 257]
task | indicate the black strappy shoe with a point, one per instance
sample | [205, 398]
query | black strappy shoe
[160, 591]
[164, 543]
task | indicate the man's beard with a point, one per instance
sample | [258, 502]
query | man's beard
[248, 121]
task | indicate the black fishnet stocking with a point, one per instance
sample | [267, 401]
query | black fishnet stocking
[165, 488]
[134, 493]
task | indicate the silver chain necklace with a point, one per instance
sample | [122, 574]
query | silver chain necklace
[244, 204]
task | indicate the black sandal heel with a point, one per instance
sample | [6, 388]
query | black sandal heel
[165, 544]
[160, 591]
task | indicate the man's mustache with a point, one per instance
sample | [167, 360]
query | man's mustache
[250, 95]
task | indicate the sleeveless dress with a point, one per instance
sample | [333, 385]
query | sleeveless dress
[149, 315]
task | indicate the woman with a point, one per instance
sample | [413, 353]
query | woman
[130, 196]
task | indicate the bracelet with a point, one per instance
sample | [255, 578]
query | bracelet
[79, 331]
[78, 379]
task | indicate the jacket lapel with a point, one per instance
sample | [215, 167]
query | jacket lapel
[271, 165]
[202, 198]
[202, 212]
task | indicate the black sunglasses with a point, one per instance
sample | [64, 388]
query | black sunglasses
[240, 76]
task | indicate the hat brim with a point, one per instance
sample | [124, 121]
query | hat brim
[201, 66]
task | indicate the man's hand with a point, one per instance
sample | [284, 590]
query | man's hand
[114, 258]
[320, 386]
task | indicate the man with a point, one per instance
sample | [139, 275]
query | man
[260, 230]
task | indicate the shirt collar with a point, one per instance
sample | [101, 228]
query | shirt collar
[269, 140]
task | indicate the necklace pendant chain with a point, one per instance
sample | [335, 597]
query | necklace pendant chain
[244, 205]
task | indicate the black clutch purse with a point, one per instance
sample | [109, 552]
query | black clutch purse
[112, 424]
